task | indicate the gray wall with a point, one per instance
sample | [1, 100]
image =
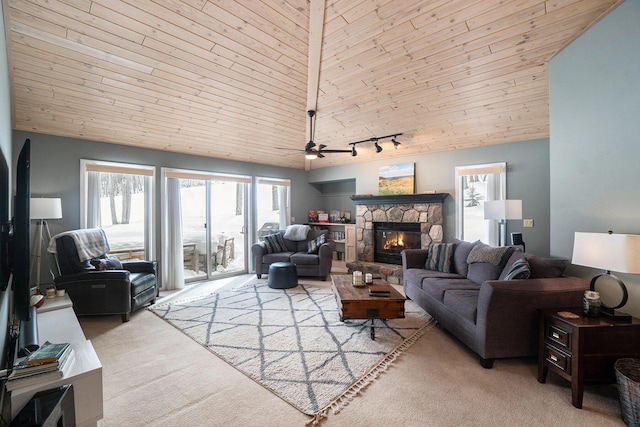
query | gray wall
[595, 128]
[527, 179]
[55, 172]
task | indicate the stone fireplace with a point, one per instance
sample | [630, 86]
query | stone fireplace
[425, 210]
[391, 238]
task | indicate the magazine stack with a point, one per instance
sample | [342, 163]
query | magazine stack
[47, 363]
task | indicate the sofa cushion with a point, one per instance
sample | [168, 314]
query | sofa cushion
[460, 255]
[440, 256]
[415, 276]
[463, 302]
[487, 262]
[519, 270]
[275, 243]
[314, 245]
[276, 257]
[547, 267]
[303, 258]
[436, 287]
[296, 232]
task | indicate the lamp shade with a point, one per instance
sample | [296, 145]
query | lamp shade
[503, 209]
[607, 251]
[45, 208]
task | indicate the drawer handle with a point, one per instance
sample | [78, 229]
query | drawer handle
[555, 335]
[554, 358]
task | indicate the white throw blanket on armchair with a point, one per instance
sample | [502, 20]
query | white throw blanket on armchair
[90, 242]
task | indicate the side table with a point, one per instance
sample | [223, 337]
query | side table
[583, 350]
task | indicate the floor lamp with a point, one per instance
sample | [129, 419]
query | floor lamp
[502, 210]
[41, 210]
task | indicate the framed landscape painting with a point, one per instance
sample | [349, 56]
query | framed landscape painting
[397, 179]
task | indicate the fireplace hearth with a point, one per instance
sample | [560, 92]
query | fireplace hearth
[391, 238]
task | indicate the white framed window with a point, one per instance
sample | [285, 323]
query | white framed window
[119, 198]
[273, 205]
[476, 184]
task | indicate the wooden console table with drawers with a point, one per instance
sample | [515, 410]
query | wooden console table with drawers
[583, 350]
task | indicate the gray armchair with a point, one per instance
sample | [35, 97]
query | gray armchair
[307, 264]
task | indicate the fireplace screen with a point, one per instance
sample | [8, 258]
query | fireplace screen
[391, 238]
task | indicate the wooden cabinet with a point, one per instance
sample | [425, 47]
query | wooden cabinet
[583, 350]
[345, 237]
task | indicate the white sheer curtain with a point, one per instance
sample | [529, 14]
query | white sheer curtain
[285, 210]
[173, 265]
[93, 200]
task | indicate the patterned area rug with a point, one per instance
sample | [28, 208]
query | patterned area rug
[292, 341]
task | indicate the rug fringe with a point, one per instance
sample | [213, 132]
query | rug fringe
[348, 395]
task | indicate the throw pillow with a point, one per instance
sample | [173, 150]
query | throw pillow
[296, 232]
[460, 255]
[439, 257]
[313, 246]
[487, 262]
[519, 270]
[106, 263]
[486, 253]
[275, 243]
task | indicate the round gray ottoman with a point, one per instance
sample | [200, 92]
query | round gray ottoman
[283, 275]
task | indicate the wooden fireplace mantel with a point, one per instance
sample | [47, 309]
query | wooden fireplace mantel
[368, 199]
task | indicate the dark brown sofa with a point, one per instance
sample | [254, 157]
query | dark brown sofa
[494, 317]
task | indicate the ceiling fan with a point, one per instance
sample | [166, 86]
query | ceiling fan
[310, 150]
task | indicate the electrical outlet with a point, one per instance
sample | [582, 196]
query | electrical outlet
[293, 220]
[527, 223]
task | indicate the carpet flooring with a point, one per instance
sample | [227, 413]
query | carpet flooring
[154, 375]
[292, 341]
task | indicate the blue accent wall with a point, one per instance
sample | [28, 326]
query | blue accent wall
[595, 136]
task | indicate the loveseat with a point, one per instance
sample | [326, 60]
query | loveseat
[310, 250]
[488, 297]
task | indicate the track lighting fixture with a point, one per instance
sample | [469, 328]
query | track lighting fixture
[313, 151]
[375, 142]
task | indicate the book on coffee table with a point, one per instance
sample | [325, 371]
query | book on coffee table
[379, 290]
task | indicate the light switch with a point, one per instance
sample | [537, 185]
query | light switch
[528, 223]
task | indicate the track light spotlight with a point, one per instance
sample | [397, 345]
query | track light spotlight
[378, 148]
[396, 144]
[353, 151]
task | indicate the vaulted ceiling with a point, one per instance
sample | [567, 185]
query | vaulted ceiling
[235, 79]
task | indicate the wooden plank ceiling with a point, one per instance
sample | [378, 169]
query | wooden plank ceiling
[234, 79]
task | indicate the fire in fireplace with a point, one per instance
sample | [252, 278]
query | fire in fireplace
[391, 238]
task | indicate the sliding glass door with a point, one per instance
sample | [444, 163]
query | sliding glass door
[205, 225]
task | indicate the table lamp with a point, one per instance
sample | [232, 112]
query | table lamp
[502, 210]
[609, 252]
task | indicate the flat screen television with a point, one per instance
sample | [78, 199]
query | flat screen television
[21, 236]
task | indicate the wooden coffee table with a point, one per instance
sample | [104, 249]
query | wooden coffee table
[355, 303]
